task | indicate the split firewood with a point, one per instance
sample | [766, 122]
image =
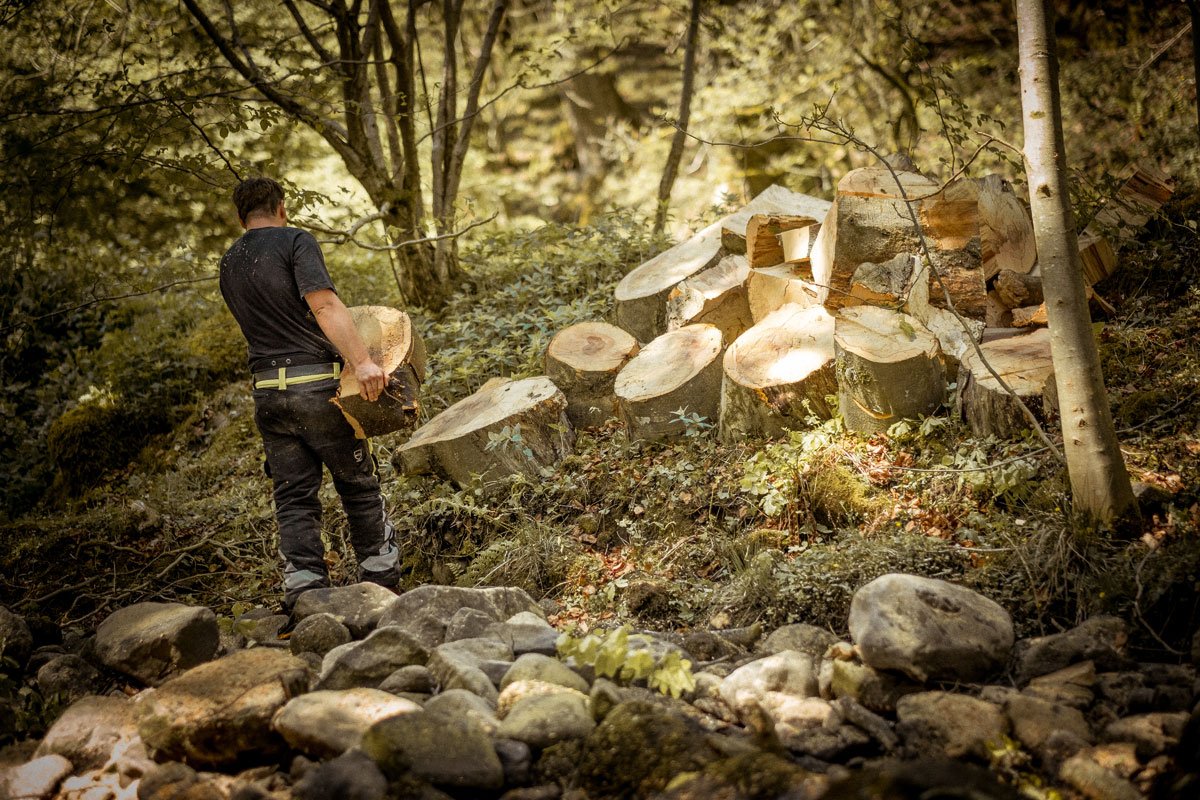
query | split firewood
[641, 296]
[763, 246]
[1030, 316]
[888, 368]
[1015, 290]
[870, 223]
[1024, 363]
[583, 361]
[1140, 197]
[772, 288]
[797, 243]
[506, 428]
[674, 382]
[396, 346]
[1005, 228]
[778, 373]
[716, 296]
[998, 314]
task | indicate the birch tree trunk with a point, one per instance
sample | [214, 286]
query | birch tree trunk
[1099, 481]
[671, 169]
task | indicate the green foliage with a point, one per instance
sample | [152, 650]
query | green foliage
[98, 436]
[626, 657]
[693, 424]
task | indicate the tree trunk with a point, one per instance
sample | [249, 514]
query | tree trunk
[671, 168]
[1099, 481]
[583, 361]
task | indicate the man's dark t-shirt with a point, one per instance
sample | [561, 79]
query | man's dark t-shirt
[264, 277]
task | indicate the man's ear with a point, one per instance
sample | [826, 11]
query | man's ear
[282, 212]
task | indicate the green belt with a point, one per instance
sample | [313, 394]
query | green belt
[289, 376]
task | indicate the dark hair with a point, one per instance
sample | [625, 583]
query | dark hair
[257, 195]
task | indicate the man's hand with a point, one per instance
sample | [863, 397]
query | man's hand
[371, 380]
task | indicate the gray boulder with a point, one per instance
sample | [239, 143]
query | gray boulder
[326, 724]
[1034, 721]
[352, 776]
[546, 719]
[460, 703]
[1094, 780]
[1099, 639]
[871, 688]
[150, 642]
[468, 623]
[368, 662]
[426, 611]
[16, 642]
[942, 724]
[36, 779]
[415, 678]
[790, 672]
[537, 667]
[929, 628]
[526, 633]
[319, 633]
[801, 637]
[360, 607]
[457, 665]
[213, 713]
[90, 731]
[1152, 734]
[68, 676]
[448, 751]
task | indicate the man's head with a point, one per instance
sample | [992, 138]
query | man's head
[258, 197]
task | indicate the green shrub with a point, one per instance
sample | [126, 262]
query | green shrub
[98, 436]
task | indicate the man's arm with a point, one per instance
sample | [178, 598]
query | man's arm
[334, 320]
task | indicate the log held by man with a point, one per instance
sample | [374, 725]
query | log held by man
[395, 345]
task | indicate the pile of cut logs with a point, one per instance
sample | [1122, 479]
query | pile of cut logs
[876, 304]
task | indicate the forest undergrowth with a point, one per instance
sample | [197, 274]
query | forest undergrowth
[695, 533]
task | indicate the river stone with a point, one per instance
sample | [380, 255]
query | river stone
[427, 610]
[359, 607]
[790, 672]
[792, 714]
[461, 703]
[456, 665]
[350, 776]
[871, 688]
[1094, 781]
[150, 642]
[413, 679]
[468, 623]
[328, 723]
[801, 637]
[213, 713]
[929, 628]
[319, 633]
[367, 663]
[16, 642]
[526, 633]
[90, 731]
[517, 761]
[937, 724]
[1151, 733]
[448, 751]
[68, 676]
[1034, 720]
[517, 691]
[545, 719]
[538, 667]
[1099, 639]
[36, 779]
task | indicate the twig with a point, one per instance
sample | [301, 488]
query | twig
[380, 248]
[1157, 54]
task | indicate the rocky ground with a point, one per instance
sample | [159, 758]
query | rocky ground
[453, 692]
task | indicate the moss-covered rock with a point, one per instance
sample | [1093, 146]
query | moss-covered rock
[749, 776]
[98, 436]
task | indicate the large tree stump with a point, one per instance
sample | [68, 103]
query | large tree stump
[1024, 363]
[888, 368]
[778, 373]
[716, 296]
[641, 296]
[679, 371]
[469, 439]
[397, 348]
[870, 222]
[583, 361]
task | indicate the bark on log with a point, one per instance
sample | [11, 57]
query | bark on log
[771, 288]
[716, 296]
[458, 445]
[1140, 197]
[1015, 290]
[870, 222]
[583, 361]
[888, 368]
[1024, 363]
[641, 296]
[778, 373]
[763, 247]
[678, 371]
[396, 346]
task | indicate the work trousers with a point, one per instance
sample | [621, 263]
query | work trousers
[301, 431]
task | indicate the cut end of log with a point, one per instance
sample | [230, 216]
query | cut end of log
[678, 370]
[583, 361]
[394, 344]
[1024, 363]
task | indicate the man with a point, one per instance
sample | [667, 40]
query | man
[300, 334]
